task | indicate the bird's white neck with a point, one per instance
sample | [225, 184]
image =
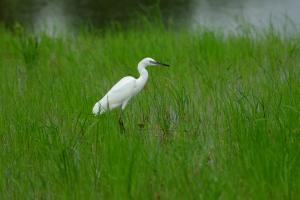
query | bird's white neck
[141, 81]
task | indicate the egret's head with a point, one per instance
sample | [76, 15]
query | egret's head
[151, 62]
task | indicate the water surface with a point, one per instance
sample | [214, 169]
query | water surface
[55, 15]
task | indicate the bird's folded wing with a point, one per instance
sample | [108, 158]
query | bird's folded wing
[123, 89]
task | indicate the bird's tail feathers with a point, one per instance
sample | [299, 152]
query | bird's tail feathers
[98, 109]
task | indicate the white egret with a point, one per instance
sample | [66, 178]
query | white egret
[125, 89]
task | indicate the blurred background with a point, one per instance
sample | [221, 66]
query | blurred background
[61, 15]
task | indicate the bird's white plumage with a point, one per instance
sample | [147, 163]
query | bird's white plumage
[124, 89]
[120, 93]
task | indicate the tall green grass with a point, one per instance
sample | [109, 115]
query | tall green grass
[223, 122]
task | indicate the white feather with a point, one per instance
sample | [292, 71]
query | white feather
[124, 89]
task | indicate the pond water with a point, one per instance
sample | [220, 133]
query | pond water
[61, 15]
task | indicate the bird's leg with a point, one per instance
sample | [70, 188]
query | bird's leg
[121, 123]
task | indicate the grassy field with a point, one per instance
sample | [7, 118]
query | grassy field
[222, 123]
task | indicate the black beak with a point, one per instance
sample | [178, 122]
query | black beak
[160, 64]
